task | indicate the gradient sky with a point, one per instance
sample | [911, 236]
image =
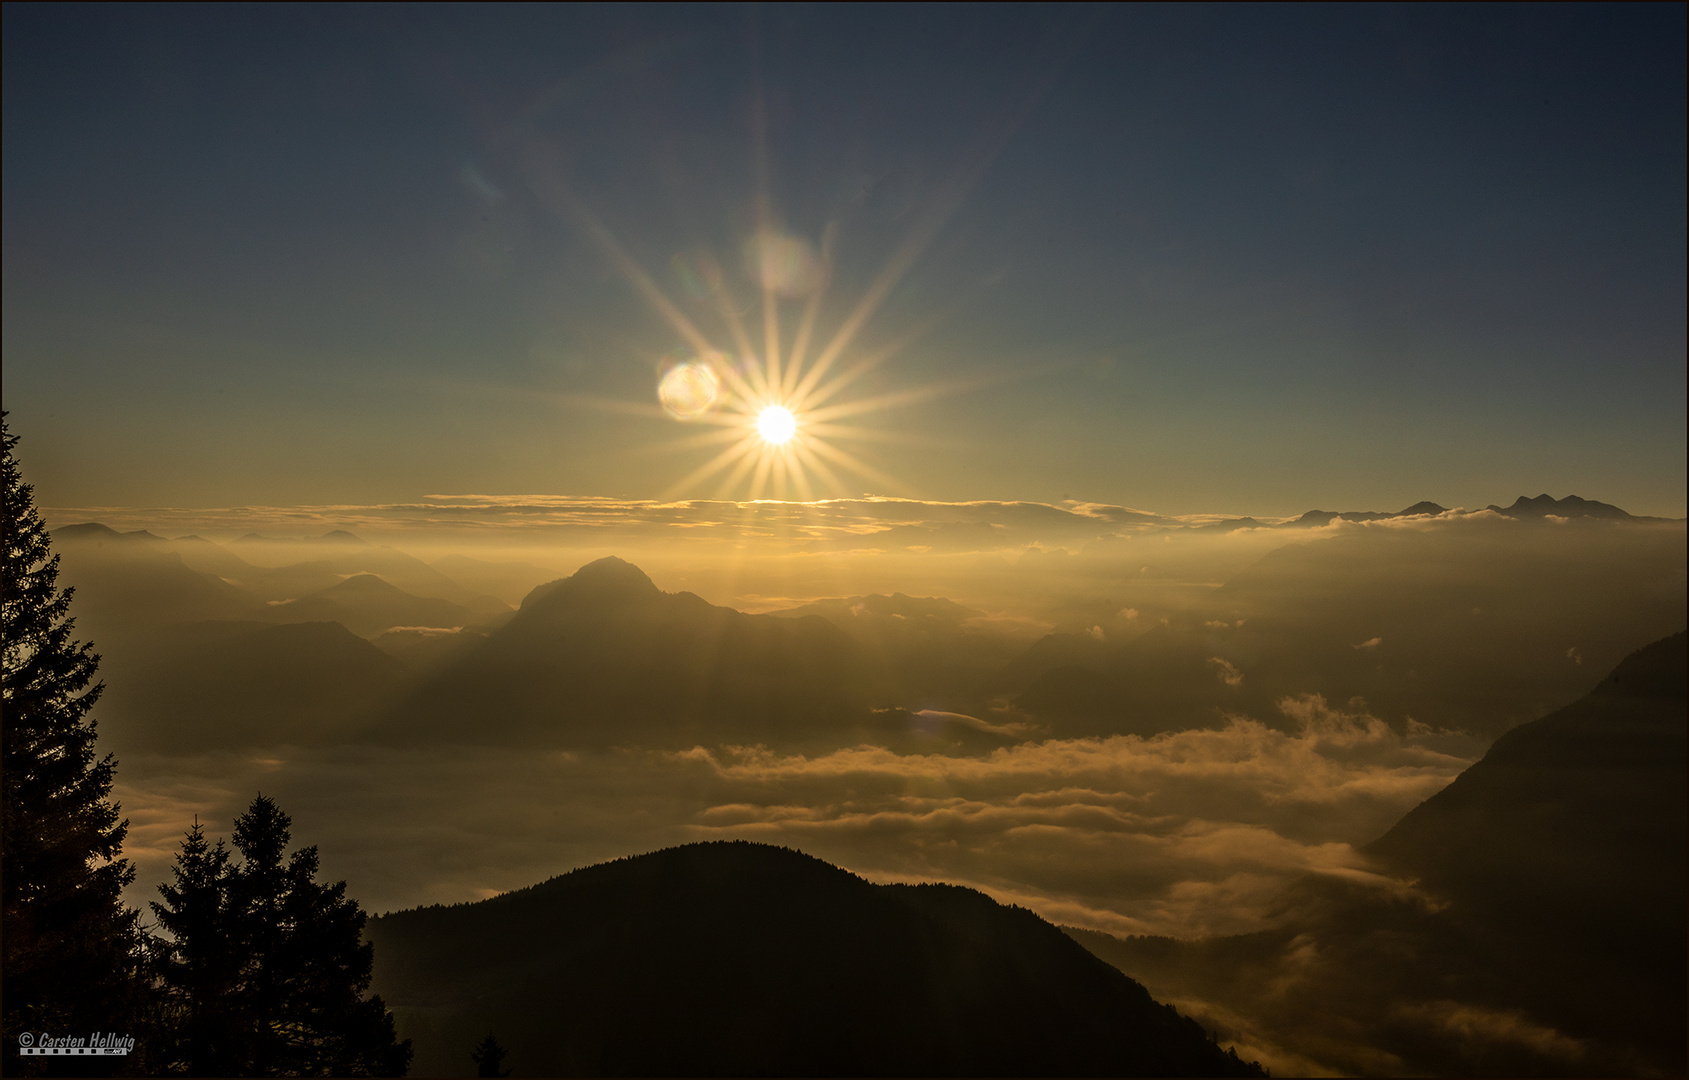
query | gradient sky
[1245, 259]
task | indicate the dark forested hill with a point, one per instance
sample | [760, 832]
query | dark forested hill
[733, 958]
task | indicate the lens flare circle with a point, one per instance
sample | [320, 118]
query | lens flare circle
[776, 425]
[689, 390]
[784, 264]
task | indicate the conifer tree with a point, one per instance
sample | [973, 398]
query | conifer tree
[267, 971]
[71, 949]
[488, 1056]
[199, 968]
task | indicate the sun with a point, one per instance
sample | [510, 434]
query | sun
[775, 410]
[776, 425]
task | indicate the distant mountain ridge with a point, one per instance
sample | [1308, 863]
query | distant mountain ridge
[740, 959]
[604, 657]
[921, 649]
[334, 537]
[1542, 506]
[94, 532]
[331, 559]
[203, 648]
[1325, 517]
[367, 605]
[212, 684]
[607, 658]
[1569, 507]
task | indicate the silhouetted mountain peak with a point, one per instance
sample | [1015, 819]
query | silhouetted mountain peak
[1316, 518]
[607, 581]
[1230, 525]
[1325, 517]
[94, 531]
[341, 536]
[364, 585]
[1571, 506]
[1424, 506]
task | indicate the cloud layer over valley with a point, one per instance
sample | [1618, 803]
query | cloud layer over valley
[1169, 734]
[1187, 834]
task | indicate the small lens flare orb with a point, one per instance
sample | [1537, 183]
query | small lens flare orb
[776, 425]
[784, 264]
[689, 390]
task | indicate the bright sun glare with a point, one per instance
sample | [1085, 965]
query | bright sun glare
[731, 392]
[776, 425]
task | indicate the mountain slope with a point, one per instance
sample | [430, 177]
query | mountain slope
[1546, 934]
[128, 587]
[1572, 833]
[604, 657]
[508, 580]
[733, 958]
[367, 606]
[221, 684]
[281, 575]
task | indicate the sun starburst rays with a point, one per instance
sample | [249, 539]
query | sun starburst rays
[777, 417]
[783, 267]
[734, 391]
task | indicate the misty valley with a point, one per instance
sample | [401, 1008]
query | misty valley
[1351, 793]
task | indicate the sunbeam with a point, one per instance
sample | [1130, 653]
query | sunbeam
[774, 416]
[777, 410]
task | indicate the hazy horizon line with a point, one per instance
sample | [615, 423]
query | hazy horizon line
[550, 512]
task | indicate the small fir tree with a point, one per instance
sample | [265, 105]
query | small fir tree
[71, 950]
[267, 971]
[199, 972]
[488, 1057]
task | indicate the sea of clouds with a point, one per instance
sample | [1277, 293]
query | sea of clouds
[1187, 834]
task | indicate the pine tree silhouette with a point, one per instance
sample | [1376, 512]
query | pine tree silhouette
[267, 971]
[72, 951]
[488, 1057]
[199, 970]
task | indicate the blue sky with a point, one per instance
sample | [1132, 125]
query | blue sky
[1247, 259]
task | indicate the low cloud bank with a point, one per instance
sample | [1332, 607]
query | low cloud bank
[877, 522]
[1186, 834]
[578, 520]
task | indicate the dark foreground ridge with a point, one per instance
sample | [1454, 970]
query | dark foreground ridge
[1557, 870]
[733, 958]
[1565, 856]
